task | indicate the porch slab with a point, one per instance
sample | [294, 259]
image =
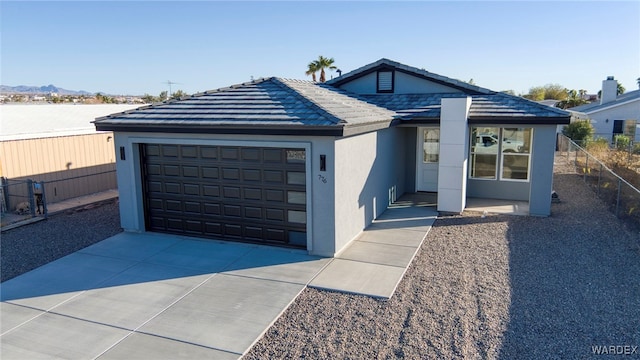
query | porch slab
[495, 206]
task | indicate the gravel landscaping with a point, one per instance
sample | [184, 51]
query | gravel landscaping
[498, 286]
[25, 248]
[502, 286]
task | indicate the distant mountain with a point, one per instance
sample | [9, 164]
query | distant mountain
[24, 89]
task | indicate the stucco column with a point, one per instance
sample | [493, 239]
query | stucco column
[452, 170]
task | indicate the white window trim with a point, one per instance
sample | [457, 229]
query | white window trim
[500, 158]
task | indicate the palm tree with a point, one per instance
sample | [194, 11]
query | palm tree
[324, 63]
[312, 68]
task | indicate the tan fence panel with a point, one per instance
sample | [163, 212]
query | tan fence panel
[70, 166]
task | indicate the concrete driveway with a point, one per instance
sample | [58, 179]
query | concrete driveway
[155, 296]
[151, 296]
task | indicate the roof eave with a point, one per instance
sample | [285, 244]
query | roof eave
[487, 120]
[520, 120]
[326, 130]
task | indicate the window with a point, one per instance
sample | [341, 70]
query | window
[484, 152]
[431, 146]
[385, 82]
[504, 149]
[516, 148]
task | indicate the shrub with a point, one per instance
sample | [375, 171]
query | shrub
[579, 131]
[636, 149]
[599, 144]
[622, 142]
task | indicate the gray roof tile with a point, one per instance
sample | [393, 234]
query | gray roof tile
[293, 104]
[272, 101]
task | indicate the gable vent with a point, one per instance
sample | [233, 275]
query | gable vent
[385, 81]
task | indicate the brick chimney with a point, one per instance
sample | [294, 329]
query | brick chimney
[609, 90]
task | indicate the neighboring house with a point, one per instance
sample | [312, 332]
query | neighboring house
[52, 143]
[310, 165]
[614, 114]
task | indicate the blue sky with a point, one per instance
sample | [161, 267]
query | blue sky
[133, 47]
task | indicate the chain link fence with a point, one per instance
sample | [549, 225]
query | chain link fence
[622, 198]
[21, 200]
[25, 199]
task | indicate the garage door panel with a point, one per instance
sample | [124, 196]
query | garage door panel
[211, 190]
[251, 154]
[274, 176]
[209, 152]
[171, 170]
[172, 188]
[232, 230]
[253, 232]
[275, 214]
[231, 210]
[174, 224]
[240, 193]
[230, 153]
[173, 205]
[210, 172]
[275, 235]
[252, 194]
[230, 174]
[170, 150]
[190, 171]
[193, 226]
[274, 195]
[211, 209]
[213, 228]
[191, 189]
[188, 151]
[252, 212]
[251, 175]
[272, 155]
[192, 207]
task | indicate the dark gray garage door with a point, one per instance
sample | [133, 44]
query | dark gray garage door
[253, 194]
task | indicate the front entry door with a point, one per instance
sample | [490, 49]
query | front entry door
[427, 159]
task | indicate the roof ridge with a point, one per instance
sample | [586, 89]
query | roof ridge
[283, 83]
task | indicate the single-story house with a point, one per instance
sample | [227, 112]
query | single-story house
[310, 165]
[614, 114]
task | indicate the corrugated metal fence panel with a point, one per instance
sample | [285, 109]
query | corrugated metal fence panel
[71, 166]
[46, 155]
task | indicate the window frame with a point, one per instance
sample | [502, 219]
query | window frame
[500, 155]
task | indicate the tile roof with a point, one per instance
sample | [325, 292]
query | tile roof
[595, 106]
[283, 106]
[496, 105]
[264, 102]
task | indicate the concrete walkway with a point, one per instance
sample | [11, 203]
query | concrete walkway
[156, 296]
[375, 262]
